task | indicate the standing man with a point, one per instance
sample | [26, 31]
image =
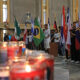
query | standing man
[6, 37]
[47, 38]
[73, 49]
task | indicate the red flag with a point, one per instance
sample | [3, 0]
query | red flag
[64, 25]
[25, 34]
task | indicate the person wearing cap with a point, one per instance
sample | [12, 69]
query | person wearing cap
[47, 38]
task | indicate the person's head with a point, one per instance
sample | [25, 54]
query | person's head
[46, 26]
[74, 24]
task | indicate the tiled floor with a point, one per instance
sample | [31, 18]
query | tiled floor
[66, 71]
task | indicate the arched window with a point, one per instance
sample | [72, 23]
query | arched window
[44, 11]
[4, 11]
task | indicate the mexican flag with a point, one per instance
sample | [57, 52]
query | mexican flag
[18, 30]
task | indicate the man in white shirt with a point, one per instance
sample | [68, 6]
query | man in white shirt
[47, 38]
[56, 36]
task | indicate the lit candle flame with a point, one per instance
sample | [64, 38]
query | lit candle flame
[28, 68]
[40, 57]
[7, 67]
[4, 44]
[16, 59]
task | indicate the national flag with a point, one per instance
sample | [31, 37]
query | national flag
[17, 28]
[55, 25]
[25, 33]
[77, 39]
[64, 25]
[68, 41]
[32, 26]
[38, 33]
[62, 34]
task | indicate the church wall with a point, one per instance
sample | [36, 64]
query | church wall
[19, 8]
[55, 12]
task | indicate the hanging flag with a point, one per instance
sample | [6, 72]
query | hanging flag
[17, 28]
[64, 25]
[55, 25]
[25, 33]
[32, 26]
[68, 41]
[38, 33]
[62, 34]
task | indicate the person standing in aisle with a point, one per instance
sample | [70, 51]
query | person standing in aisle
[47, 38]
[77, 43]
[73, 49]
[30, 40]
[57, 40]
[27, 40]
[6, 37]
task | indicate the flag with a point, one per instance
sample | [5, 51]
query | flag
[68, 41]
[32, 26]
[62, 34]
[64, 25]
[17, 28]
[77, 39]
[25, 33]
[55, 25]
[38, 33]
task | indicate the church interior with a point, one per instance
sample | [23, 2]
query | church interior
[18, 20]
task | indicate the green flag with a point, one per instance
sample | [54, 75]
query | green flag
[18, 30]
[38, 33]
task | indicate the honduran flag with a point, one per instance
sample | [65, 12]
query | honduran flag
[77, 39]
[68, 41]
[62, 34]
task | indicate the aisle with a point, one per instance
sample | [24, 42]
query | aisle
[60, 73]
[66, 71]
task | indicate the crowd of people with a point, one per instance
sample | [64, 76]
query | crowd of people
[54, 36]
[73, 53]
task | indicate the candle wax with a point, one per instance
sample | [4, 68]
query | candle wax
[12, 51]
[4, 75]
[50, 63]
